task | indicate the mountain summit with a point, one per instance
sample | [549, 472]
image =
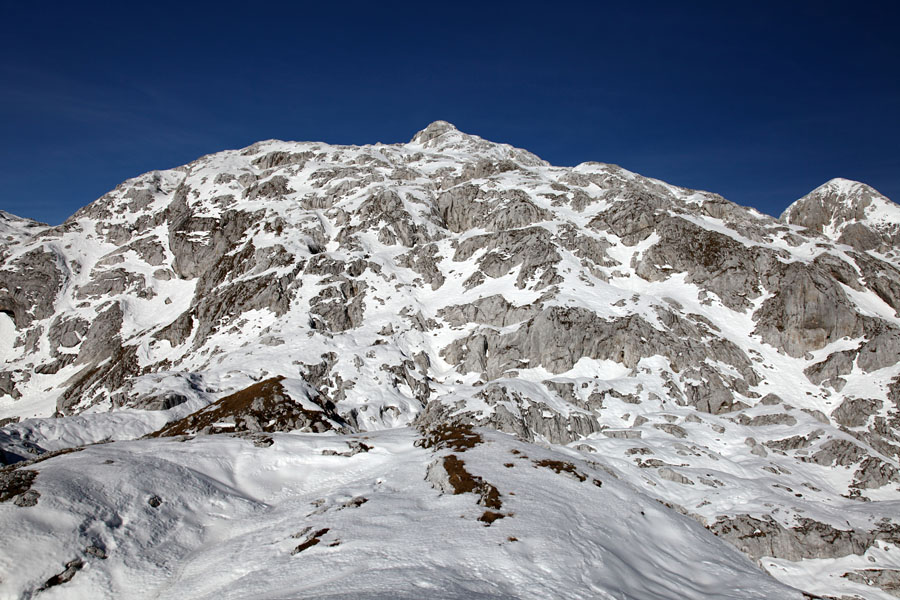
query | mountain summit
[277, 363]
[434, 130]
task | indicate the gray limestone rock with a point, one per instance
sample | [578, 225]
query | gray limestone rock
[29, 284]
[178, 330]
[712, 260]
[587, 248]
[512, 412]
[424, 259]
[837, 364]
[112, 282]
[558, 337]
[759, 537]
[771, 400]
[841, 207]
[530, 248]
[102, 379]
[882, 349]
[8, 381]
[670, 474]
[634, 219]
[163, 401]
[756, 448]
[874, 473]
[807, 311]
[881, 277]
[492, 310]
[279, 158]
[885, 579]
[855, 412]
[67, 332]
[672, 429]
[339, 308]
[150, 250]
[388, 212]
[766, 420]
[198, 242]
[838, 452]
[795, 442]
[468, 206]
[102, 337]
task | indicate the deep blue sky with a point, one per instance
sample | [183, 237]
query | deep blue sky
[760, 102]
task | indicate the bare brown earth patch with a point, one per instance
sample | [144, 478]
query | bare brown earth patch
[460, 437]
[464, 482]
[261, 407]
[457, 436]
[560, 466]
[310, 541]
[490, 516]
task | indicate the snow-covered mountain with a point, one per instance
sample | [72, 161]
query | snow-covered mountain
[667, 343]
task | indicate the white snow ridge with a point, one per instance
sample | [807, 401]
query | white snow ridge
[448, 369]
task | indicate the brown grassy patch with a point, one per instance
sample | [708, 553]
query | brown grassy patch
[560, 466]
[464, 482]
[456, 436]
[263, 406]
[489, 517]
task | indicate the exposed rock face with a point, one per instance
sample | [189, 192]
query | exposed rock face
[809, 539]
[558, 338]
[29, 283]
[714, 261]
[707, 351]
[515, 412]
[808, 310]
[886, 579]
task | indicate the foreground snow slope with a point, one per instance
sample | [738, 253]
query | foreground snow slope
[231, 514]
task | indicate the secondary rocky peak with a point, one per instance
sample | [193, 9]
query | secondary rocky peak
[838, 198]
[850, 212]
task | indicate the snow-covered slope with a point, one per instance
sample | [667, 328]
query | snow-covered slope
[303, 516]
[742, 370]
[13, 228]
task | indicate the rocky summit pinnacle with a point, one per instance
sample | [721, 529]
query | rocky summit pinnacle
[434, 130]
[340, 337]
[850, 212]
